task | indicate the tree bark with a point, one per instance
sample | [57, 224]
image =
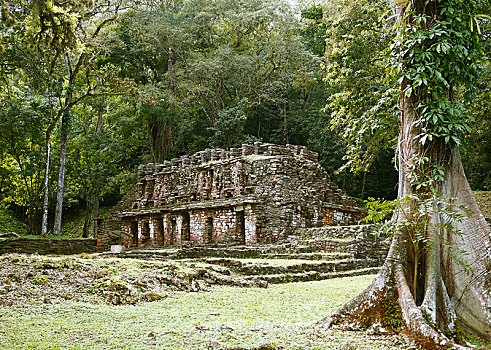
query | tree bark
[92, 207]
[63, 143]
[61, 175]
[44, 223]
[95, 214]
[31, 220]
[423, 288]
[449, 299]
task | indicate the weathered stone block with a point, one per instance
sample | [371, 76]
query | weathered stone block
[256, 193]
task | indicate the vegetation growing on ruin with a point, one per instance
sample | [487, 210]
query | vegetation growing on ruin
[89, 90]
[179, 77]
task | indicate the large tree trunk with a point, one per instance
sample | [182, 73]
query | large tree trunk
[423, 289]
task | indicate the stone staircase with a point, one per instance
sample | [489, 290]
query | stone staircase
[308, 255]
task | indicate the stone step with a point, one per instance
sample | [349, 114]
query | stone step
[310, 276]
[200, 252]
[309, 256]
[334, 231]
[270, 268]
[341, 245]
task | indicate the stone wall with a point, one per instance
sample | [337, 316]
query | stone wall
[47, 246]
[234, 224]
[256, 193]
[362, 241]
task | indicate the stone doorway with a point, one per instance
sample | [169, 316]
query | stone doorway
[241, 227]
[172, 232]
[185, 231]
[145, 232]
[209, 230]
[134, 233]
[159, 231]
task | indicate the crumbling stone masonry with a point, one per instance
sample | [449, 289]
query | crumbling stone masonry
[254, 194]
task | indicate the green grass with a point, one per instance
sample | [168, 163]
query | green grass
[224, 318]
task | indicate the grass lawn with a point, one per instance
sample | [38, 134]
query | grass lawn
[280, 316]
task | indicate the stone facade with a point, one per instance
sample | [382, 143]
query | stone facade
[254, 194]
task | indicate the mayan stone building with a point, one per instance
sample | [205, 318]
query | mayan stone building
[254, 194]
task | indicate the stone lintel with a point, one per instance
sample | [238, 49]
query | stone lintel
[209, 204]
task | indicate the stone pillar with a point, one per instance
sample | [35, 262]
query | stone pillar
[250, 225]
[178, 230]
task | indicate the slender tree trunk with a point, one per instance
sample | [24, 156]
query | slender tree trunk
[44, 223]
[95, 214]
[363, 181]
[92, 207]
[88, 219]
[61, 174]
[63, 144]
[95, 207]
[31, 220]
[171, 73]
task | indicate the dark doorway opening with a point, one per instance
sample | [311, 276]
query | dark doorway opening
[172, 233]
[159, 231]
[186, 223]
[209, 230]
[145, 232]
[134, 233]
[241, 227]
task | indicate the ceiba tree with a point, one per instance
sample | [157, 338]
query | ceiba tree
[435, 282]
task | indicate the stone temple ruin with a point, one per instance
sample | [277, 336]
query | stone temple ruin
[254, 194]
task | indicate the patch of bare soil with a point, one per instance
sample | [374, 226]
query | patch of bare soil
[28, 279]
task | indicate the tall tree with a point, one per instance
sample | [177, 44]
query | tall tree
[435, 282]
[21, 140]
[64, 36]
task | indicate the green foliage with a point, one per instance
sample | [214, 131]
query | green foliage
[457, 334]
[22, 116]
[379, 209]
[440, 52]
[229, 126]
[314, 33]
[175, 77]
[40, 279]
[8, 223]
[363, 101]
[477, 146]
[392, 318]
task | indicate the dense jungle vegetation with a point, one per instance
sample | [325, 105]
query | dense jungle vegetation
[91, 89]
